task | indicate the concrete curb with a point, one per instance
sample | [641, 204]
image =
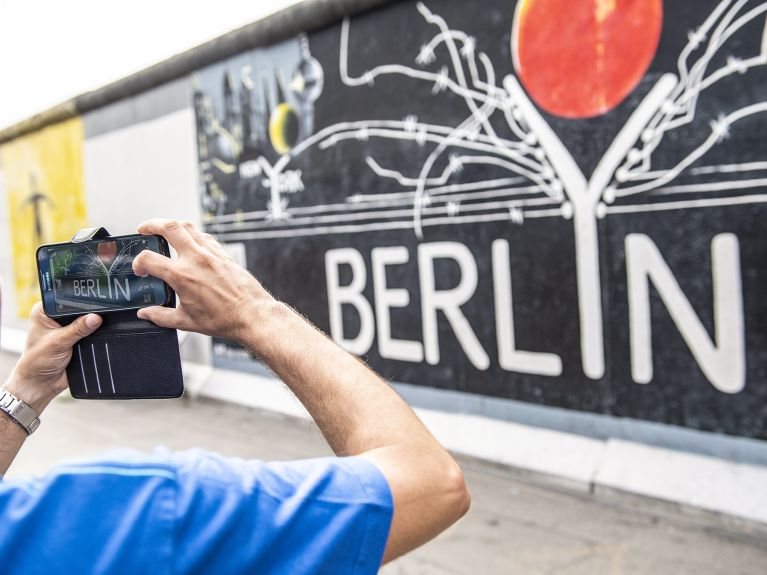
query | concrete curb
[716, 485]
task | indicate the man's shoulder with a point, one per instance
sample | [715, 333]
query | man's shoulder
[267, 515]
[116, 463]
[351, 475]
[89, 512]
[333, 479]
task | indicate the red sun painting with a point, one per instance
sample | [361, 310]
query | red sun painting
[581, 58]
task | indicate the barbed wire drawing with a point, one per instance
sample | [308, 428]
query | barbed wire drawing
[541, 178]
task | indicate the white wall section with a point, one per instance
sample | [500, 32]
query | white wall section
[143, 171]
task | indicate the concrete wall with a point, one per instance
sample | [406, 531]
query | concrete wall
[140, 160]
[478, 209]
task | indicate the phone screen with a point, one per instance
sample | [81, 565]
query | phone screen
[97, 276]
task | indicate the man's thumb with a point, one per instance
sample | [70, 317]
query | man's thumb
[82, 327]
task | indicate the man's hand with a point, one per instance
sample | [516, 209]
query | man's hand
[217, 296]
[40, 375]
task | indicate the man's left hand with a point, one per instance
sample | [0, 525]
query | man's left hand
[40, 374]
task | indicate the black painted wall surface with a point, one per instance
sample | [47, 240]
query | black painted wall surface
[292, 153]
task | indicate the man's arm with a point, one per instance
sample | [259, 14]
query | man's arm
[40, 375]
[357, 412]
[12, 437]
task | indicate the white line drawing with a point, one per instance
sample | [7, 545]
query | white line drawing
[109, 363]
[82, 369]
[541, 170]
[96, 368]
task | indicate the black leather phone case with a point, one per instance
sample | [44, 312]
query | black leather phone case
[127, 357]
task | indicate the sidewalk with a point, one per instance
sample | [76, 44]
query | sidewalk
[513, 528]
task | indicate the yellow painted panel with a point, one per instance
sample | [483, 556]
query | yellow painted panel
[43, 174]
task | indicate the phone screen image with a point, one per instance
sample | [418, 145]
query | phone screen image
[97, 276]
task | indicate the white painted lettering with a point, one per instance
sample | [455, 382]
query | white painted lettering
[509, 357]
[351, 294]
[723, 360]
[125, 290]
[387, 298]
[449, 301]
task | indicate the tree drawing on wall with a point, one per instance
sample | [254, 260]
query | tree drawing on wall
[542, 179]
[551, 184]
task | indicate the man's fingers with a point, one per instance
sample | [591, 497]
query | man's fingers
[163, 316]
[196, 234]
[172, 230]
[154, 264]
[213, 245]
[203, 239]
[78, 329]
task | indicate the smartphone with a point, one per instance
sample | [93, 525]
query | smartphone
[97, 276]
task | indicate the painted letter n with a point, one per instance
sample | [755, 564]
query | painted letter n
[722, 360]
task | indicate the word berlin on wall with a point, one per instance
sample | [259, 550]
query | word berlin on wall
[561, 209]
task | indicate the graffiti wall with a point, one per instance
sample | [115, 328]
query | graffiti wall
[548, 201]
[43, 184]
[537, 201]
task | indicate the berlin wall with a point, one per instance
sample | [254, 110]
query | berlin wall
[526, 201]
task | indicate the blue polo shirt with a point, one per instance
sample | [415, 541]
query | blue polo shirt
[195, 512]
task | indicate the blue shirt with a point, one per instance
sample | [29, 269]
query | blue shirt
[194, 512]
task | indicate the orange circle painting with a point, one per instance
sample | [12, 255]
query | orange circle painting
[581, 58]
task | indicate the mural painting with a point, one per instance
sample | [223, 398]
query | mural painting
[43, 180]
[563, 211]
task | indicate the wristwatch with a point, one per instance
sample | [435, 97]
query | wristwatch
[19, 411]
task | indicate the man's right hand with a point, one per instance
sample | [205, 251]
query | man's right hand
[217, 296]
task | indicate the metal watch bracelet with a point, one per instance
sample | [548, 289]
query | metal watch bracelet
[19, 411]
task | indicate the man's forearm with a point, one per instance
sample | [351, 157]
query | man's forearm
[12, 436]
[354, 408]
